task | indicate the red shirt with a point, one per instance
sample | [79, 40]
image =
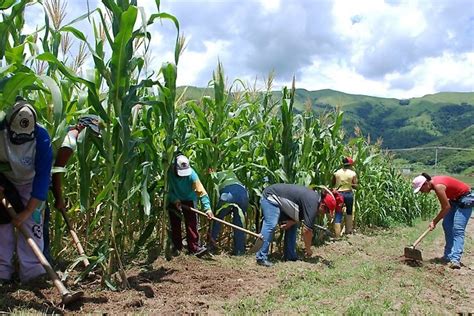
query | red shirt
[454, 188]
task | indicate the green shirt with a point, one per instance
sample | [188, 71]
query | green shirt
[187, 189]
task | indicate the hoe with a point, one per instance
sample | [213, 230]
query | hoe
[258, 243]
[414, 254]
[67, 297]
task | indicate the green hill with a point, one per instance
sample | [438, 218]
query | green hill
[399, 123]
[437, 120]
[448, 97]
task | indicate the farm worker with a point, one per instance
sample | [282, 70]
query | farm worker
[345, 180]
[231, 191]
[63, 155]
[184, 189]
[26, 147]
[289, 204]
[337, 213]
[456, 201]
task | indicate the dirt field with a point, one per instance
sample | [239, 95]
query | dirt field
[343, 277]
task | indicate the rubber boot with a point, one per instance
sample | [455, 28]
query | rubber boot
[348, 224]
[337, 230]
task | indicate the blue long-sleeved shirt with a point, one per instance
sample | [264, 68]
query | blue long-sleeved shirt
[43, 164]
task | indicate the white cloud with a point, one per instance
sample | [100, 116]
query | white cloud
[339, 76]
[192, 65]
[34, 18]
[385, 48]
[270, 5]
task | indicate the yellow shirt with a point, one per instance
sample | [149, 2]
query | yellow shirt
[344, 179]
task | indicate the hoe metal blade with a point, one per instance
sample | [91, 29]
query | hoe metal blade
[257, 245]
[72, 297]
[412, 254]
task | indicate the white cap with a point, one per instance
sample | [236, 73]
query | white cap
[182, 166]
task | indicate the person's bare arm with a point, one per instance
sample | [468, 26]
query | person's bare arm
[355, 182]
[308, 238]
[440, 191]
[287, 224]
[62, 157]
[31, 206]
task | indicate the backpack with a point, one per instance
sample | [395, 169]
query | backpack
[339, 200]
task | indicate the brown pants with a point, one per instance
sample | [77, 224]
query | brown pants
[191, 224]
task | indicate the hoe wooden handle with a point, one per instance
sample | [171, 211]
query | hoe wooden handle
[223, 222]
[38, 253]
[77, 243]
[421, 237]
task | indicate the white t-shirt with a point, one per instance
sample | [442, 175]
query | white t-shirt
[70, 141]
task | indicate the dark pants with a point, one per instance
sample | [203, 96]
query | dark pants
[191, 223]
[12, 196]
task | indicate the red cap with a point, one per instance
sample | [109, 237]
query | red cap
[330, 202]
[348, 161]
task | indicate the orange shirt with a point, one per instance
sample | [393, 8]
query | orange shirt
[454, 188]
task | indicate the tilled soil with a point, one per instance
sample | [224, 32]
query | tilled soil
[187, 284]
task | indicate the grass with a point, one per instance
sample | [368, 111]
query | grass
[448, 97]
[366, 276]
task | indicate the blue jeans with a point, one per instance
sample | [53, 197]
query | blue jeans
[348, 201]
[454, 226]
[338, 217]
[271, 216]
[234, 193]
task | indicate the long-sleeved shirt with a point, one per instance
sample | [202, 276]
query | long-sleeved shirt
[30, 162]
[187, 189]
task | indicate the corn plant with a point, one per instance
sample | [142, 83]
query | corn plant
[116, 185]
[116, 87]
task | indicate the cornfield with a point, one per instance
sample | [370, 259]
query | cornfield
[116, 185]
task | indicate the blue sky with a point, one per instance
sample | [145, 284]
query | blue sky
[385, 48]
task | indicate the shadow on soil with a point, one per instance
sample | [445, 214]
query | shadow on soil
[413, 263]
[11, 303]
[77, 306]
[142, 282]
[319, 259]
